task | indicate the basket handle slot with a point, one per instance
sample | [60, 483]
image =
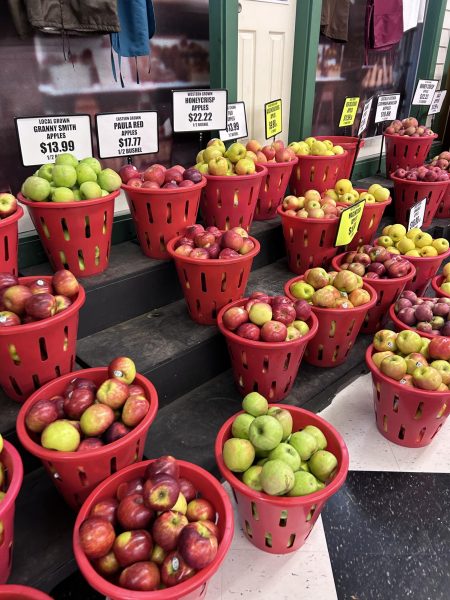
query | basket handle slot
[401, 433]
[113, 465]
[268, 539]
[291, 235]
[437, 431]
[350, 329]
[283, 518]
[395, 403]
[255, 386]
[265, 366]
[422, 433]
[81, 262]
[169, 212]
[58, 371]
[2, 535]
[219, 198]
[147, 240]
[65, 230]
[349, 348]
[320, 352]
[322, 238]
[441, 411]
[241, 221]
[44, 227]
[255, 513]
[287, 361]
[335, 354]
[14, 354]
[273, 389]
[43, 349]
[162, 243]
[62, 258]
[236, 197]
[241, 277]
[214, 311]
[198, 306]
[223, 285]
[186, 210]
[332, 331]
[248, 529]
[66, 338]
[149, 213]
[15, 386]
[267, 183]
[227, 223]
[97, 255]
[419, 411]
[186, 279]
[371, 222]
[311, 174]
[305, 238]
[6, 248]
[82, 477]
[288, 385]
[138, 445]
[310, 515]
[325, 173]
[380, 297]
[36, 382]
[244, 359]
[291, 540]
[72, 360]
[87, 227]
[105, 222]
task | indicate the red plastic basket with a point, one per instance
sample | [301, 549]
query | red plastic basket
[191, 589]
[34, 353]
[387, 290]
[9, 240]
[349, 143]
[230, 201]
[426, 268]
[443, 211]
[273, 189]
[14, 476]
[21, 592]
[436, 283]
[281, 525]
[76, 474]
[406, 152]
[210, 284]
[370, 221]
[406, 415]
[75, 235]
[309, 242]
[407, 193]
[317, 172]
[160, 215]
[268, 368]
[337, 331]
[399, 325]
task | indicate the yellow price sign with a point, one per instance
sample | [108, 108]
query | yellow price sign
[349, 112]
[349, 223]
[274, 124]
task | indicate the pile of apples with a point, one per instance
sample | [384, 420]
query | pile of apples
[211, 243]
[427, 315]
[413, 360]
[273, 459]
[423, 173]
[343, 192]
[311, 206]
[442, 160]
[409, 127]
[155, 533]
[157, 177]
[85, 416]
[24, 303]
[445, 285]
[8, 205]
[414, 242]
[315, 147]
[375, 262]
[267, 318]
[341, 289]
[70, 180]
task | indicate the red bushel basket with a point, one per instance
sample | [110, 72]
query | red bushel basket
[436, 283]
[273, 189]
[370, 221]
[280, 524]
[350, 144]
[9, 239]
[34, 353]
[317, 172]
[12, 462]
[406, 152]
[75, 474]
[387, 290]
[337, 331]
[309, 242]
[408, 193]
[400, 326]
[21, 592]
[406, 415]
[75, 235]
[230, 201]
[194, 588]
[269, 368]
[210, 284]
[426, 268]
[443, 211]
[160, 215]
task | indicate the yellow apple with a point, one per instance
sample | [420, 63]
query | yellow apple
[414, 252]
[385, 241]
[338, 150]
[446, 270]
[373, 187]
[346, 198]
[423, 239]
[412, 233]
[385, 230]
[381, 194]
[367, 197]
[404, 245]
[393, 250]
[318, 148]
[355, 194]
[343, 186]
[441, 245]
[303, 148]
[312, 195]
[328, 144]
[329, 153]
[397, 232]
[330, 194]
[445, 287]
[310, 141]
[428, 251]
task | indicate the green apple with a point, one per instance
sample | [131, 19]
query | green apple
[212, 152]
[60, 435]
[301, 326]
[304, 466]
[109, 180]
[64, 176]
[262, 461]
[76, 194]
[287, 454]
[85, 173]
[235, 152]
[104, 193]
[36, 188]
[444, 369]
[408, 341]
[66, 159]
[46, 172]
[62, 194]
[316, 433]
[424, 347]
[302, 290]
[245, 166]
[304, 484]
[90, 190]
[202, 168]
[216, 142]
[261, 453]
[255, 404]
[304, 443]
[218, 166]
[252, 477]
[93, 163]
[322, 464]
[277, 478]
[238, 454]
[285, 418]
[241, 425]
[265, 432]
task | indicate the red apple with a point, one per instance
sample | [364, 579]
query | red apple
[15, 297]
[247, 246]
[58, 401]
[142, 576]
[199, 254]
[173, 175]
[106, 509]
[96, 419]
[228, 253]
[174, 570]
[89, 444]
[96, 537]
[135, 389]
[192, 230]
[234, 317]
[302, 310]
[7, 280]
[113, 393]
[133, 546]
[134, 410]
[150, 185]
[249, 331]
[107, 565]
[204, 239]
[439, 348]
[62, 302]
[128, 488]
[65, 283]
[132, 512]
[200, 509]
[167, 529]
[135, 182]
[40, 306]
[192, 175]
[212, 527]
[127, 172]
[187, 488]
[8, 205]
[8, 319]
[39, 286]
[214, 250]
[115, 432]
[158, 554]
[197, 545]
[184, 250]
[269, 152]
[164, 464]
[41, 414]
[233, 240]
[77, 401]
[284, 313]
[155, 173]
[273, 331]
[123, 369]
[161, 492]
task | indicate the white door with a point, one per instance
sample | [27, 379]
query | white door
[265, 52]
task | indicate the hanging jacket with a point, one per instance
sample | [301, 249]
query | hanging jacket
[334, 19]
[384, 24]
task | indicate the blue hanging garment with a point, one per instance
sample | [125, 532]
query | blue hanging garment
[137, 27]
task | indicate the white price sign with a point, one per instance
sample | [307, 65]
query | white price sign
[236, 123]
[417, 214]
[365, 116]
[436, 103]
[127, 133]
[387, 107]
[199, 110]
[41, 139]
[425, 91]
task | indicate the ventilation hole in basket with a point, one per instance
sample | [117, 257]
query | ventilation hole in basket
[113, 465]
[44, 228]
[401, 433]
[291, 235]
[405, 151]
[288, 385]
[273, 389]
[335, 353]
[186, 279]
[322, 238]
[244, 359]
[203, 282]
[287, 361]
[81, 262]
[320, 352]
[422, 433]
[310, 515]
[234, 495]
[241, 278]
[169, 212]
[258, 207]
[58, 371]
[268, 539]
[265, 366]
[236, 198]
[332, 332]
[266, 186]
[97, 256]
[437, 430]
[82, 477]
[138, 445]
[198, 306]
[385, 423]
[311, 174]
[43, 349]
[149, 213]
[291, 540]
[377, 391]
[370, 224]
[419, 411]
[350, 329]
[14, 354]
[380, 297]
[395, 403]
[62, 258]
[162, 244]
[219, 198]
[65, 230]
[255, 513]
[223, 285]
[283, 518]
[298, 260]
[255, 385]
[305, 238]
[248, 529]
[214, 311]
[325, 175]
[133, 208]
[36, 382]
[203, 590]
[66, 338]
[348, 348]
[147, 240]
[442, 411]
[6, 249]
[105, 222]
[227, 223]
[214, 221]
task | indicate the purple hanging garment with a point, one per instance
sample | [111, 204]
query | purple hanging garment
[384, 24]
